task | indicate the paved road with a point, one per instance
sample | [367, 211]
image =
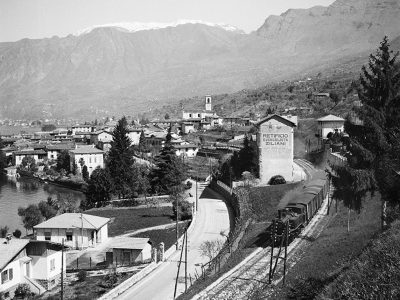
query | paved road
[212, 218]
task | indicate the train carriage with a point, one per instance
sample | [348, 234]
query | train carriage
[298, 212]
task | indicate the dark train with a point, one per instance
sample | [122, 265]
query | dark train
[298, 212]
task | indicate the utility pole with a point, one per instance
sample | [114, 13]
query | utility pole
[179, 267]
[197, 198]
[81, 231]
[62, 270]
[186, 259]
[176, 223]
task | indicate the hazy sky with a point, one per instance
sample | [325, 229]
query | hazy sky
[45, 18]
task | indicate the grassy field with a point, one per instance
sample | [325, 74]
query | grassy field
[124, 220]
[168, 236]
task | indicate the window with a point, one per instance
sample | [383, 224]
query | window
[95, 159]
[90, 159]
[69, 236]
[47, 236]
[52, 264]
[7, 275]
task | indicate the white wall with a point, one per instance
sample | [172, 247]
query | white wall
[58, 234]
[275, 143]
[92, 161]
[134, 137]
[17, 275]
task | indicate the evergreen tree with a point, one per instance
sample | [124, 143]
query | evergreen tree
[142, 142]
[374, 146]
[248, 157]
[120, 161]
[99, 188]
[170, 170]
[85, 173]
[63, 161]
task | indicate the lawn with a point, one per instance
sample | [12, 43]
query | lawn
[125, 220]
[168, 236]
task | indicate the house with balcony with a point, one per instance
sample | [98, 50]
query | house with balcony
[36, 263]
[76, 229]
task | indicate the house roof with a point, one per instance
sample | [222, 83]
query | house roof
[10, 250]
[129, 243]
[185, 146]
[73, 220]
[87, 150]
[60, 147]
[330, 118]
[30, 152]
[278, 118]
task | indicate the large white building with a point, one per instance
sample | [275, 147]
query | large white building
[91, 156]
[76, 229]
[275, 146]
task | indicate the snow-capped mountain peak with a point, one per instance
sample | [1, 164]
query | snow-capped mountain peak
[139, 26]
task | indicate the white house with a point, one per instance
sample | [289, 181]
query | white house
[186, 150]
[128, 250]
[329, 123]
[78, 230]
[92, 157]
[134, 135]
[82, 128]
[101, 136]
[54, 150]
[35, 263]
[38, 155]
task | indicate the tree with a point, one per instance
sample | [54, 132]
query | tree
[99, 188]
[374, 146]
[142, 142]
[170, 170]
[17, 233]
[28, 164]
[3, 160]
[49, 127]
[120, 161]
[166, 117]
[85, 173]
[31, 216]
[47, 210]
[210, 249]
[63, 161]
[3, 231]
[248, 157]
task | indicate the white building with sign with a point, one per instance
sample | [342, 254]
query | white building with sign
[275, 145]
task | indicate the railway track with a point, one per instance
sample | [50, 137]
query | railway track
[252, 273]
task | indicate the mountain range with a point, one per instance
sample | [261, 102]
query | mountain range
[117, 69]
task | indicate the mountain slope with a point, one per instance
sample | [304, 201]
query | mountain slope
[110, 70]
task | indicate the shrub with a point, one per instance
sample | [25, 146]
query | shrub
[277, 179]
[188, 185]
[17, 233]
[185, 210]
[82, 274]
[110, 279]
[23, 290]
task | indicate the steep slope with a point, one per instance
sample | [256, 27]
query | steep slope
[115, 70]
[108, 68]
[345, 27]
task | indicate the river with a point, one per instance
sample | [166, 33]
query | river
[21, 192]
